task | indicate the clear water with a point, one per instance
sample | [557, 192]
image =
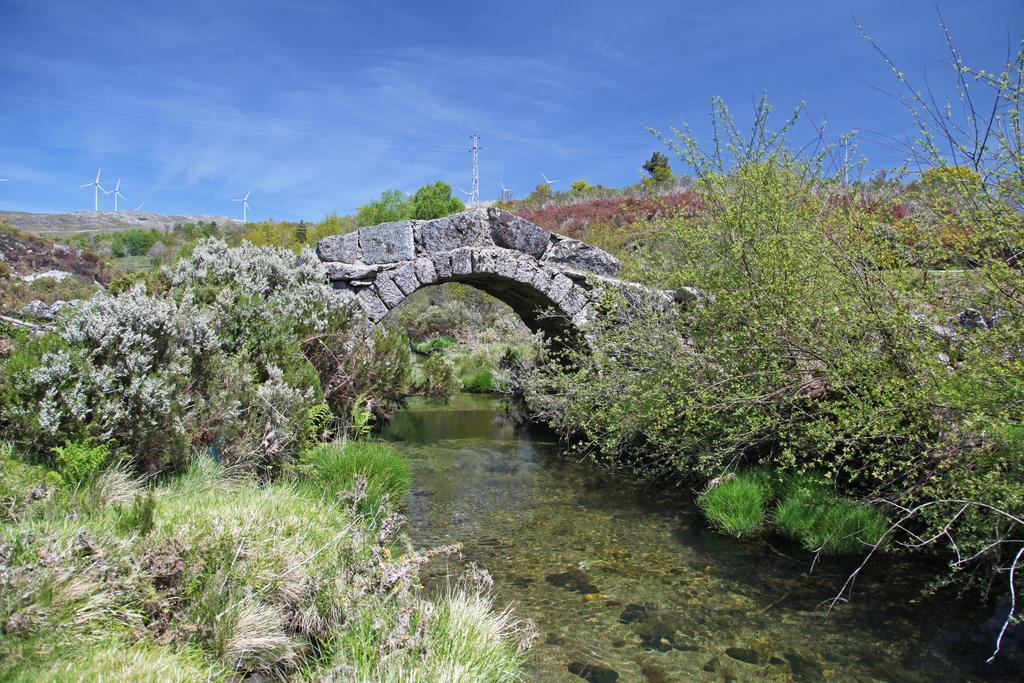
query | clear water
[629, 584]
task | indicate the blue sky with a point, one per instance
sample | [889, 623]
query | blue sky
[319, 106]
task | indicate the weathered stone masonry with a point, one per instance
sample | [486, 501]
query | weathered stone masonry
[532, 270]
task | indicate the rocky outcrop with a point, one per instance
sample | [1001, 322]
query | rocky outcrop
[553, 282]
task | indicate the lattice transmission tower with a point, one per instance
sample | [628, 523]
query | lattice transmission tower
[474, 188]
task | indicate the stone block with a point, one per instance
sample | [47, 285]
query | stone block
[559, 287]
[512, 232]
[462, 261]
[442, 265]
[340, 248]
[387, 290]
[466, 229]
[349, 271]
[425, 271]
[372, 305]
[405, 278]
[569, 253]
[387, 242]
[573, 301]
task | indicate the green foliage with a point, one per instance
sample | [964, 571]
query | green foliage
[810, 513]
[736, 506]
[137, 517]
[656, 164]
[480, 381]
[362, 418]
[80, 461]
[393, 205]
[437, 380]
[441, 343]
[541, 193]
[319, 424]
[335, 468]
[580, 186]
[434, 201]
[133, 242]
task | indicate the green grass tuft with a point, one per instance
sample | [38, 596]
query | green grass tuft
[480, 382]
[436, 344]
[810, 514]
[735, 507]
[335, 467]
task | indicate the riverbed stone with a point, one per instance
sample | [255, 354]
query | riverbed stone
[387, 242]
[593, 673]
[575, 580]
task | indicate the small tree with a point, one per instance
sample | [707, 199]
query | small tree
[435, 200]
[580, 186]
[393, 205]
[658, 169]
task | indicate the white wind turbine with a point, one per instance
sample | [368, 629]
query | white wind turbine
[139, 207]
[506, 194]
[116, 192]
[245, 205]
[549, 182]
[97, 188]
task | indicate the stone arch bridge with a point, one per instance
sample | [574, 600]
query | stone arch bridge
[552, 282]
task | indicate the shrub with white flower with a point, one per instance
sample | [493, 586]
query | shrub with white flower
[215, 362]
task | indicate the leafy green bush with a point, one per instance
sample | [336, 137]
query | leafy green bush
[80, 461]
[437, 379]
[434, 201]
[735, 506]
[335, 467]
[133, 242]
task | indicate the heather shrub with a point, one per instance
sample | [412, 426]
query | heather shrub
[220, 359]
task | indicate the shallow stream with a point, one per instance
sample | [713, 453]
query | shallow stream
[629, 584]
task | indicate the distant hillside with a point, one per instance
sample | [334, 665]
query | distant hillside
[77, 222]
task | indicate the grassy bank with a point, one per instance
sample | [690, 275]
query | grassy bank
[207, 575]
